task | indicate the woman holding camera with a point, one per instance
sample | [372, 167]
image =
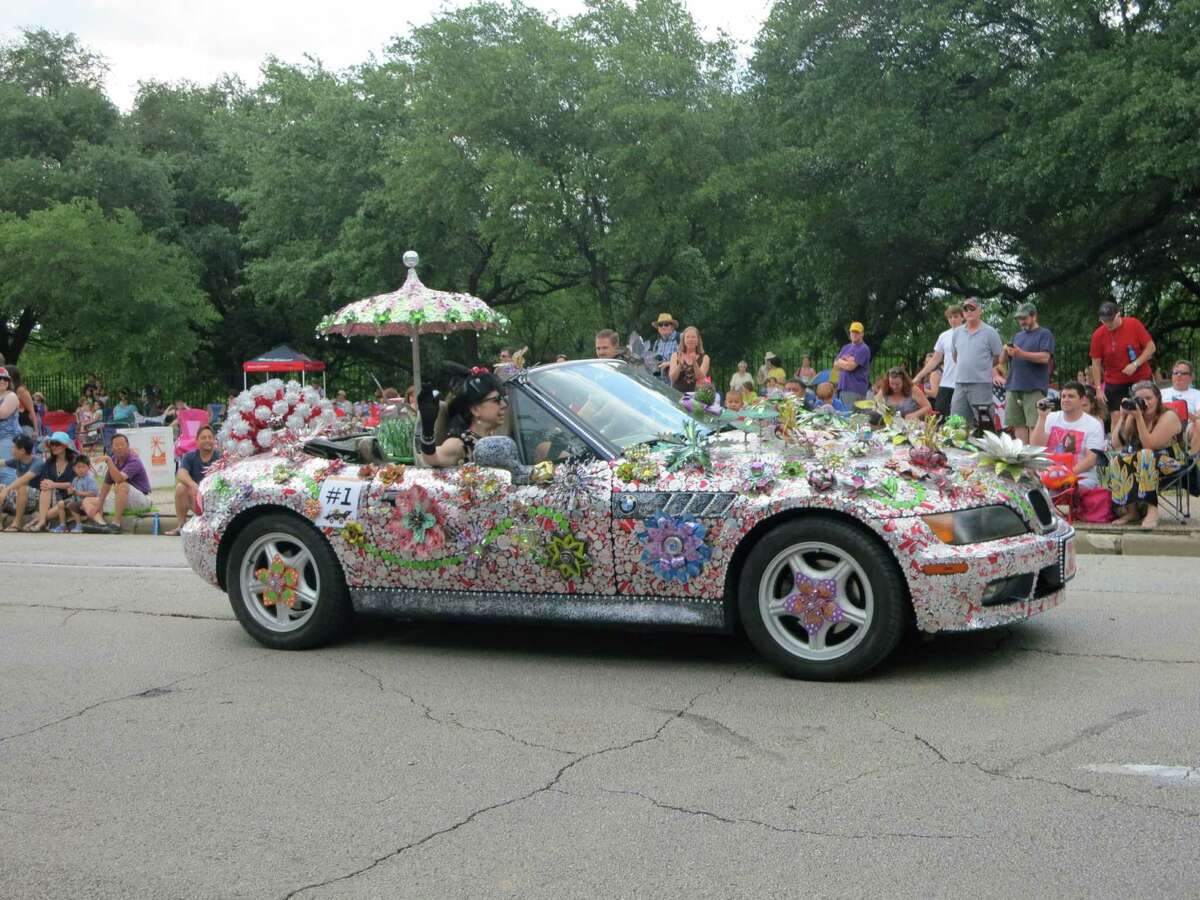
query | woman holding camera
[1147, 442]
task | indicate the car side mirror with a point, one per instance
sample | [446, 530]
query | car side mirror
[500, 452]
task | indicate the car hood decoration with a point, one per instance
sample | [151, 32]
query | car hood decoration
[665, 520]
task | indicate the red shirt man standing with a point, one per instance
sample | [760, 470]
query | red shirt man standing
[1125, 347]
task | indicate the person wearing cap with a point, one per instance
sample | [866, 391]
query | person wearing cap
[1030, 353]
[54, 482]
[1121, 350]
[854, 363]
[976, 351]
[666, 345]
[10, 423]
[943, 355]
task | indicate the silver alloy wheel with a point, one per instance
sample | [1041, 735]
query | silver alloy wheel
[278, 616]
[821, 574]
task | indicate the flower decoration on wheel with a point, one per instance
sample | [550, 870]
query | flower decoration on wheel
[674, 546]
[814, 602]
[280, 581]
[418, 523]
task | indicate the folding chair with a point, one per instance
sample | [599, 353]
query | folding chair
[1175, 491]
[190, 421]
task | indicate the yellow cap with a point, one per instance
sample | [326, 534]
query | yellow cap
[856, 326]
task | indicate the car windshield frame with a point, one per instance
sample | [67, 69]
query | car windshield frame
[630, 387]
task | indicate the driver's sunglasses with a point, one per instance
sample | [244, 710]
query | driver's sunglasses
[499, 398]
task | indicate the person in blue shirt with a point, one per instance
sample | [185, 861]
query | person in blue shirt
[666, 345]
[20, 496]
[1029, 354]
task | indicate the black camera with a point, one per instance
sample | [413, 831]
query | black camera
[1129, 404]
[1051, 404]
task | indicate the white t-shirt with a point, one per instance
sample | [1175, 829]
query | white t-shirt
[1191, 397]
[1085, 433]
[945, 346]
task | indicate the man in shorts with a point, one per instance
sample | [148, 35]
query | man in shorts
[126, 486]
[1029, 354]
[20, 498]
[1121, 351]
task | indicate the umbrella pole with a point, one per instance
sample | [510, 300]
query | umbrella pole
[245, 384]
[416, 342]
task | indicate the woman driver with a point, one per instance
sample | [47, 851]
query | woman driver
[477, 411]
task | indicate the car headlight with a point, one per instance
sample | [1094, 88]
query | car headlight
[974, 526]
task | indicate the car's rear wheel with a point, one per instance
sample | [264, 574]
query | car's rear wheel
[285, 584]
[822, 599]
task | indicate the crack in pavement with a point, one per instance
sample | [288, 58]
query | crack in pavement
[115, 609]
[714, 728]
[1079, 737]
[155, 691]
[427, 712]
[549, 786]
[790, 829]
[1006, 775]
[1136, 659]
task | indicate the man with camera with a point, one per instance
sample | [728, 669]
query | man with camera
[1070, 430]
[1029, 354]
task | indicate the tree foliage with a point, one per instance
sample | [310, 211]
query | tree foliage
[869, 161]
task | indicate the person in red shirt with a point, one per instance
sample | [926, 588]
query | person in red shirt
[1125, 347]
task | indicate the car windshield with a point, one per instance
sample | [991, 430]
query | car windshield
[620, 402]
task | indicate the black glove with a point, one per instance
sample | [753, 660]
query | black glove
[428, 405]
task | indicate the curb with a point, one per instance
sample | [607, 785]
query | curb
[1137, 543]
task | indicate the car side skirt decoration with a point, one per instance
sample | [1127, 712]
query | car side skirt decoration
[572, 609]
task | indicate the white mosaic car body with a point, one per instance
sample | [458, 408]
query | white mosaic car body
[824, 547]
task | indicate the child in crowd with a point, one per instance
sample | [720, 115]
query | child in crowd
[82, 485]
[827, 401]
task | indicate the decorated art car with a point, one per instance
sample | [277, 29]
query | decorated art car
[615, 500]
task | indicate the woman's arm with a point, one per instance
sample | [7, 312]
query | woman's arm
[923, 408]
[450, 452]
[675, 366]
[935, 381]
[704, 363]
[1164, 431]
[9, 405]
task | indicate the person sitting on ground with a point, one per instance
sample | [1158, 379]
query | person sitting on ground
[899, 393]
[19, 498]
[192, 468]
[1071, 430]
[126, 486]
[83, 487]
[742, 377]
[54, 482]
[1148, 442]
[124, 413]
[477, 410]
[827, 399]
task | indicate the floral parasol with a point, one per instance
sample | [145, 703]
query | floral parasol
[412, 310]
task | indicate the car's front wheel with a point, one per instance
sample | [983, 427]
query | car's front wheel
[285, 584]
[822, 599]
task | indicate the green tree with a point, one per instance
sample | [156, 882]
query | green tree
[117, 298]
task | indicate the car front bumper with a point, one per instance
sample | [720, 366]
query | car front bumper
[990, 584]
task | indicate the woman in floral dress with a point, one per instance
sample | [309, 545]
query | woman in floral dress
[476, 411]
[1147, 445]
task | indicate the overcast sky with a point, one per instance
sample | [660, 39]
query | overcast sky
[197, 40]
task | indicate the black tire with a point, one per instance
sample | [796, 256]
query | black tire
[784, 641]
[332, 614]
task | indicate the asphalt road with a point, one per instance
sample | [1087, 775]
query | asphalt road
[148, 748]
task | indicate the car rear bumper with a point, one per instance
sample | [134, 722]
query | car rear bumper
[991, 584]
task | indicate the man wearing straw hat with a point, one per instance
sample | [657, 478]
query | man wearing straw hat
[666, 345]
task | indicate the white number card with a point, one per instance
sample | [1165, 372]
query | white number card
[339, 503]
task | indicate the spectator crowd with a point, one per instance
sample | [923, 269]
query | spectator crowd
[1115, 429]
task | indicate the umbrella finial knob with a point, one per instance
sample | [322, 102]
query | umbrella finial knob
[411, 258]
